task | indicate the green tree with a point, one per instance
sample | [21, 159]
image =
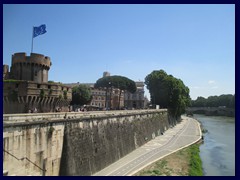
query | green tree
[81, 95]
[199, 102]
[168, 92]
[227, 100]
[212, 101]
[119, 82]
[232, 102]
[158, 88]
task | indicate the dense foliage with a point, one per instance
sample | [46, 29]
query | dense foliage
[119, 82]
[227, 100]
[81, 95]
[168, 92]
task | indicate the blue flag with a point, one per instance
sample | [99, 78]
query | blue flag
[39, 30]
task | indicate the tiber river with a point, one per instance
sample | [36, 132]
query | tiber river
[218, 150]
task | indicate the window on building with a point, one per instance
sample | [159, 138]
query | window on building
[134, 96]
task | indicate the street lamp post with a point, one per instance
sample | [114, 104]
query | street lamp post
[110, 95]
[106, 102]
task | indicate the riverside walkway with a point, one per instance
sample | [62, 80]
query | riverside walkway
[185, 133]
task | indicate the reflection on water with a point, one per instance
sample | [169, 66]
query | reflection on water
[218, 150]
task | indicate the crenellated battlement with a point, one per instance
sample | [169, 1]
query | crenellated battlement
[26, 86]
[34, 58]
[31, 68]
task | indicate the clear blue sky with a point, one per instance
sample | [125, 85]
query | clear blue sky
[195, 43]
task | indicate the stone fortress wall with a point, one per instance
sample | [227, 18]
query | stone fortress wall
[76, 143]
[26, 86]
[20, 96]
[32, 68]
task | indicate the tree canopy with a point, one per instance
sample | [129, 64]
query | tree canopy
[227, 100]
[120, 82]
[81, 95]
[168, 92]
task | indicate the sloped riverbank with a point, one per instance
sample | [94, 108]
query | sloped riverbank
[185, 162]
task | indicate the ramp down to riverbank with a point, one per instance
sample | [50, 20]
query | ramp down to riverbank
[184, 134]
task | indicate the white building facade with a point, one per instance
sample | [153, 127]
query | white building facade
[135, 100]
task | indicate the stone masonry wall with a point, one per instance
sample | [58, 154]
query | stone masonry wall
[31, 148]
[94, 143]
[75, 144]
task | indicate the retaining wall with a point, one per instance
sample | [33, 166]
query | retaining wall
[76, 143]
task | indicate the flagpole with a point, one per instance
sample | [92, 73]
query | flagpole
[32, 40]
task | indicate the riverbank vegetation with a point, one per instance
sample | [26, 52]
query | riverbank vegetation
[185, 162]
[224, 100]
[195, 166]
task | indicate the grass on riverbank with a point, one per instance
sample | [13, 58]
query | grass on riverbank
[195, 168]
[185, 162]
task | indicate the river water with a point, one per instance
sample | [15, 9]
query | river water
[218, 150]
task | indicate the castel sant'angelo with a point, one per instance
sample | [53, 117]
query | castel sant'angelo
[26, 87]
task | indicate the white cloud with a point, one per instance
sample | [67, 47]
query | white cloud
[211, 82]
[197, 87]
[214, 87]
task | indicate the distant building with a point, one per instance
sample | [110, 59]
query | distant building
[110, 99]
[146, 102]
[98, 95]
[26, 87]
[135, 100]
[5, 71]
[101, 98]
[105, 74]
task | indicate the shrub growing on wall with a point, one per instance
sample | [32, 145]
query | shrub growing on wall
[42, 93]
[13, 95]
[65, 94]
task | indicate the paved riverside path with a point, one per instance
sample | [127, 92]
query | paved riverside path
[182, 135]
